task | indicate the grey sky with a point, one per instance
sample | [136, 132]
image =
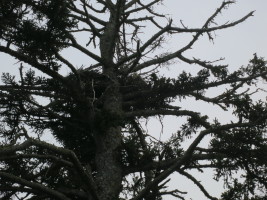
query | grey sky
[237, 45]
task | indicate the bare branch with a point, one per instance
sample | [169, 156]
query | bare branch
[148, 8]
[145, 45]
[66, 62]
[142, 7]
[92, 26]
[199, 32]
[201, 187]
[96, 10]
[82, 49]
[91, 17]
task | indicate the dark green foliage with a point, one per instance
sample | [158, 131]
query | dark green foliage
[77, 124]
[97, 113]
[239, 191]
[37, 28]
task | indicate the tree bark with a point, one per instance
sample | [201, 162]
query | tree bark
[108, 141]
[109, 170]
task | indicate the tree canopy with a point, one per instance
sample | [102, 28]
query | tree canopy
[95, 111]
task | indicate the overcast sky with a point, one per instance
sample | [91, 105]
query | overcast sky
[237, 45]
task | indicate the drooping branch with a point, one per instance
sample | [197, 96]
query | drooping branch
[35, 186]
[72, 68]
[148, 174]
[147, 113]
[195, 181]
[86, 177]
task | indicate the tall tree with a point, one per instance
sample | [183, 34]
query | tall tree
[94, 112]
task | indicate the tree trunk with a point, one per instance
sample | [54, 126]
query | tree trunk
[109, 173]
[109, 170]
[108, 141]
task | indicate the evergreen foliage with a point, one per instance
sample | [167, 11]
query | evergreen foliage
[95, 113]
